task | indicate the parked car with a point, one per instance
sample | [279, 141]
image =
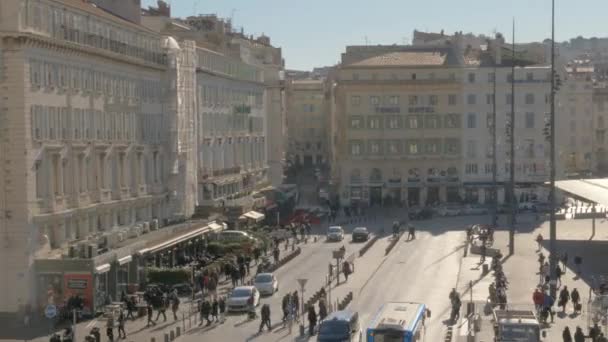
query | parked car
[243, 298]
[266, 283]
[360, 234]
[474, 210]
[183, 289]
[341, 326]
[335, 233]
[449, 211]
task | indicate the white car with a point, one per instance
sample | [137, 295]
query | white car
[335, 233]
[266, 283]
[449, 211]
[243, 298]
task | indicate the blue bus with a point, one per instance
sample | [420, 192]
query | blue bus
[398, 322]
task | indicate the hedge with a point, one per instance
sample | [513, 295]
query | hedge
[168, 276]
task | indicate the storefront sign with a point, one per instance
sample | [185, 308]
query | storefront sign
[79, 284]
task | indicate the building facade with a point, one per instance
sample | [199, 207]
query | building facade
[397, 125]
[600, 119]
[308, 113]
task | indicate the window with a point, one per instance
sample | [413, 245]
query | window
[393, 100]
[451, 99]
[452, 121]
[393, 146]
[489, 120]
[529, 148]
[374, 100]
[432, 121]
[412, 147]
[509, 98]
[471, 99]
[432, 147]
[489, 168]
[529, 99]
[529, 120]
[573, 126]
[413, 100]
[413, 122]
[452, 146]
[470, 169]
[471, 120]
[471, 77]
[489, 98]
[374, 123]
[433, 100]
[355, 100]
[393, 122]
[491, 77]
[529, 76]
[509, 77]
[375, 147]
[356, 122]
[471, 149]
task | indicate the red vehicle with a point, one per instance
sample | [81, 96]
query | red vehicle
[301, 216]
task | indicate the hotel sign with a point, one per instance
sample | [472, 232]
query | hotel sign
[413, 110]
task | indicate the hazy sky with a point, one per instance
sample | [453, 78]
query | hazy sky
[315, 32]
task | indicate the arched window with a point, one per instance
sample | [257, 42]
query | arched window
[375, 176]
[355, 176]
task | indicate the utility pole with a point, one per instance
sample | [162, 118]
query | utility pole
[512, 138]
[552, 223]
[494, 148]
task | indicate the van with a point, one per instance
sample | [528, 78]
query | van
[341, 326]
[235, 236]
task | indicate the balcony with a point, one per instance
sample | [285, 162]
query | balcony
[227, 172]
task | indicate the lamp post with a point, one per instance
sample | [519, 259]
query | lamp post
[552, 222]
[512, 148]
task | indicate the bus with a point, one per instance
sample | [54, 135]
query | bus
[398, 322]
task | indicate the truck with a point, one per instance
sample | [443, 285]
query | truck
[516, 326]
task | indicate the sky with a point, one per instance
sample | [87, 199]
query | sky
[313, 33]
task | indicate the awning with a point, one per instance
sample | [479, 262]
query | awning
[214, 226]
[102, 268]
[593, 190]
[125, 260]
[178, 239]
[253, 215]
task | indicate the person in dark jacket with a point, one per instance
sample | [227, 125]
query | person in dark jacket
[312, 320]
[162, 307]
[322, 310]
[566, 335]
[150, 312]
[121, 325]
[576, 298]
[222, 306]
[265, 313]
[296, 303]
[564, 297]
[578, 335]
[205, 311]
[215, 308]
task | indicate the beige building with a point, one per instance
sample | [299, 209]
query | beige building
[397, 125]
[308, 114]
[600, 122]
[95, 127]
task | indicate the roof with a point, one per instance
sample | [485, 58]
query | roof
[92, 9]
[594, 190]
[407, 58]
[396, 315]
[343, 315]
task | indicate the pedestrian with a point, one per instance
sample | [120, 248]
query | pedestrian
[296, 303]
[455, 315]
[276, 254]
[285, 302]
[234, 275]
[578, 335]
[545, 271]
[222, 306]
[174, 304]
[248, 263]
[566, 335]
[537, 298]
[162, 308]
[121, 326]
[68, 335]
[265, 317]
[150, 312]
[110, 329]
[322, 310]
[256, 255]
[594, 332]
[346, 269]
[312, 320]
[548, 305]
[564, 261]
[558, 275]
[576, 298]
[205, 311]
[411, 232]
[215, 308]
[242, 273]
[130, 308]
[291, 314]
[578, 262]
[541, 262]
[564, 297]
[483, 253]
[212, 287]
[539, 241]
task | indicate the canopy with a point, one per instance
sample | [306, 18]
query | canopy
[593, 190]
[182, 238]
[253, 215]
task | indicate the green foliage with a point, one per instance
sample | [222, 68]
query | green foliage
[168, 276]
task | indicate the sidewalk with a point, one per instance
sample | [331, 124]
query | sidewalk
[573, 237]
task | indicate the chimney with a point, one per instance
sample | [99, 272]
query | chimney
[497, 45]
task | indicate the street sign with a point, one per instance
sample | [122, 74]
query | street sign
[50, 311]
[302, 282]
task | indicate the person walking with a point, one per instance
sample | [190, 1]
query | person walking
[548, 302]
[455, 314]
[558, 275]
[205, 312]
[539, 241]
[265, 317]
[537, 298]
[346, 269]
[578, 262]
[162, 308]
[242, 273]
[322, 310]
[411, 232]
[150, 312]
[545, 271]
[121, 326]
[594, 333]
[215, 310]
[285, 302]
[576, 298]
[564, 261]
[222, 306]
[290, 315]
[564, 297]
[296, 303]
[110, 329]
[312, 320]
[130, 308]
[579, 336]
[174, 304]
[483, 253]
[566, 335]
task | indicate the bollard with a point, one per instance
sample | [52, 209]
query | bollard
[178, 332]
[183, 321]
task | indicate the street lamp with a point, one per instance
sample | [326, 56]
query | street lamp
[552, 220]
